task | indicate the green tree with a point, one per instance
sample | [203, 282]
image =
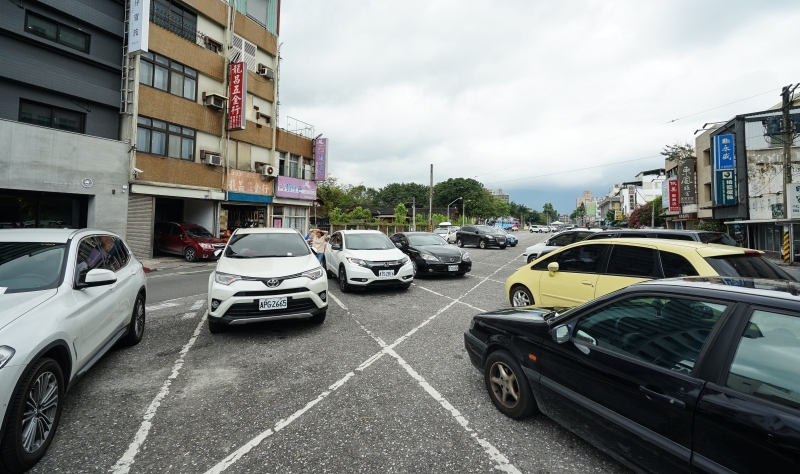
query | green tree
[338, 217]
[332, 195]
[400, 213]
[610, 215]
[549, 211]
[358, 213]
[678, 151]
[642, 215]
[406, 193]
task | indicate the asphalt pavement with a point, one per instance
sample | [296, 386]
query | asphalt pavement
[384, 385]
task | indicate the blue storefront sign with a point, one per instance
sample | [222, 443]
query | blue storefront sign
[726, 186]
[724, 156]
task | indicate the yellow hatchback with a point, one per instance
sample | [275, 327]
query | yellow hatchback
[586, 270]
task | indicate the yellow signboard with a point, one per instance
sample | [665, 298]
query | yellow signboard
[618, 215]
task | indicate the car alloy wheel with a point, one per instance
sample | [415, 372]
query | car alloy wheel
[504, 384]
[531, 258]
[190, 254]
[482, 244]
[459, 243]
[136, 326]
[414, 266]
[343, 285]
[520, 296]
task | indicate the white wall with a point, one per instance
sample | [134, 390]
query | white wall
[200, 212]
[211, 29]
[209, 86]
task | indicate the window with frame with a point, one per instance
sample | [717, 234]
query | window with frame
[161, 138]
[668, 332]
[294, 166]
[175, 18]
[581, 259]
[561, 240]
[632, 261]
[53, 117]
[767, 361]
[167, 75]
[57, 32]
[91, 255]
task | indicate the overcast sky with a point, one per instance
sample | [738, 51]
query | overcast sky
[503, 90]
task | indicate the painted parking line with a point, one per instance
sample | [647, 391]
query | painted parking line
[124, 463]
[172, 303]
[150, 276]
[445, 296]
[197, 305]
[232, 458]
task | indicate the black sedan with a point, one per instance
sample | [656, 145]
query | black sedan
[695, 374]
[431, 254]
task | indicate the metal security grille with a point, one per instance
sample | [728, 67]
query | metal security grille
[243, 50]
[139, 233]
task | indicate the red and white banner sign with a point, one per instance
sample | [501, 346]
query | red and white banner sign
[237, 99]
[674, 204]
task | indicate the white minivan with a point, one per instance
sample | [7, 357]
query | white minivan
[366, 259]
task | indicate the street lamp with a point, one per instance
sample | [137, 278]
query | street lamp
[448, 207]
[463, 211]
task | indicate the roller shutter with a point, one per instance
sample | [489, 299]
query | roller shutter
[140, 225]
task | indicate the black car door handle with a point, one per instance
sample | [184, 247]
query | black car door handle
[653, 395]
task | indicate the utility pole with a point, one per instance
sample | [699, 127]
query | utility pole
[787, 133]
[463, 212]
[430, 205]
[414, 213]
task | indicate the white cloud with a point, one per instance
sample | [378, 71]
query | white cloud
[474, 86]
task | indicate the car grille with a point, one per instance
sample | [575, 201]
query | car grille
[450, 259]
[250, 310]
[219, 246]
[271, 292]
[501, 240]
[384, 265]
[376, 269]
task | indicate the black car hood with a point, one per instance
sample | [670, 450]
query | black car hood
[527, 315]
[439, 250]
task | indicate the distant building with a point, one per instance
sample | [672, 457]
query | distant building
[587, 197]
[500, 195]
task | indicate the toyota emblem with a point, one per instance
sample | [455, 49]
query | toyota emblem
[385, 264]
[272, 283]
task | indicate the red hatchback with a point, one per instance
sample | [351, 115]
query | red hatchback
[192, 241]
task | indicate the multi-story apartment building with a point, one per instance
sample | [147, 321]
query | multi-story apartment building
[62, 163]
[189, 164]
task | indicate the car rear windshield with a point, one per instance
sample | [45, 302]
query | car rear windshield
[717, 238]
[748, 265]
[30, 266]
[376, 241]
[198, 232]
[266, 245]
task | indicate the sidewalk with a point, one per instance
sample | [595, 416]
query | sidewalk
[156, 264]
[793, 270]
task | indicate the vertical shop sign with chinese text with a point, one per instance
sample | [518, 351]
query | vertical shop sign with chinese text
[726, 187]
[632, 197]
[236, 97]
[674, 203]
[724, 157]
[320, 159]
[793, 198]
[686, 177]
[139, 27]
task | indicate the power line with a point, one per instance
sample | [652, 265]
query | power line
[579, 169]
[626, 134]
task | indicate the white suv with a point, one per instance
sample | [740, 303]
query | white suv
[266, 274]
[367, 259]
[66, 297]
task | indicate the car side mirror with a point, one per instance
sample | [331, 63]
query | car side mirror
[98, 277]
[552, 267]
[398, 245]
[477, 232]
[336, 247]
[561, 334]
[182, 237]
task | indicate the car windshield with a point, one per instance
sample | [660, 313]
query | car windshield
[197, 232]
[747, 265]
[440, 231]
[30, 266]
[426, 239]
[258, 245]
[717, 238]
[376, 241]
[487, 228]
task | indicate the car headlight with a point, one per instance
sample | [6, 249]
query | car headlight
[465, 256]
[404, 260]
[206, 246]
[6, 353]
[225, 278]
[313, 274]
[429, 258]
[490, 237]
[357, 261]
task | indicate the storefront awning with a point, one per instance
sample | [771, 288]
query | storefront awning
[177, 192]
[765, 221]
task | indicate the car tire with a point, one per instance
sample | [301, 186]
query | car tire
[405, 286]
[459, 242]
[502, 247]
[216, 328]
[14, 455]
[190, 254]
[414, 267]
[136, 326]
[461, 274]
[531, 258]
[328, 272]
[343, 285]
[520, 296]
[318, 318]
[508, 386]
[482, 244]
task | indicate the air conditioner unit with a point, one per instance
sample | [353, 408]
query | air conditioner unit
[266, 72]
[269, 170]
[210, 158]
[215, 101]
